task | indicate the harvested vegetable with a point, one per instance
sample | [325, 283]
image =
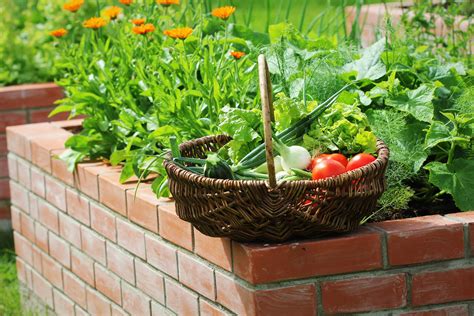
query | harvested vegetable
[359, 160]
[327, 168]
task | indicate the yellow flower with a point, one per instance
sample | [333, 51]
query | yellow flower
[58, 32]
[181, 33]
[73, 5]
[223, 12]
[94, 23]
[112, 12]
[166, 3]
[143, 29]
[237, 55]
[126, 2]
[138, 22]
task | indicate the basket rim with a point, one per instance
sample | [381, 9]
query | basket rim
[381, 161]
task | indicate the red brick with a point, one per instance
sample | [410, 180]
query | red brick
[196, 275]
[70, 230]
[43, 289]
[3, 144]
[5, 210]
[19, 137]
[117, 311]
[48, 216]
[43, 145]
[97, 305]
[162, 256]
[23, 248]
[135, 302]
[160, 310]
[443, 286]
[75, 289]
[27, 227]
[150, 281]
[78, 207]
[12, 167]
[37, 259]
[234, 296]
[3, 167]
[5, 191]
[19, 195]
[215, 250]
[56, 193]
[52, 271]
[24, 177]
[87, 178]
[42, 115]
[108, 284]
[173, 228]
[30, 95]
[121, 263]
[181, 300]
[79, 311]
[33, 201]
[11, 118]
[460, 310]
[295, 300]
[59, 250]
[38, 182]
[103, 222]
[423, 239]
[466, 218]
[142, 208]
[208, 309]
[68, 125]
[131, 238]
[59, 168]
[16, 219]
[359, 251]
[21, 270]
[41, 237]
[93, 245]
[112, 193]
[82, 266]
[364, 294]
[62, 304]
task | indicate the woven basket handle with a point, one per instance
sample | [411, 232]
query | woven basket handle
[268, 116]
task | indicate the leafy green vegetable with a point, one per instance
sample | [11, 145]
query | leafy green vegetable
[416, 102]
[456, 178]
[369, 66]
[342, 128]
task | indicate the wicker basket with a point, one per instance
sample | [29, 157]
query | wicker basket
[248, 210]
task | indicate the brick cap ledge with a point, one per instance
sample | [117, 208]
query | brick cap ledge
[364, 250]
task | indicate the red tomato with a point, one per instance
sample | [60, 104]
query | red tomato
[327, 168]
[315, 161]
[338, 157]
[359, 160]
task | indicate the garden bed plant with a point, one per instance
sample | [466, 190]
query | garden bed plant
[186, 70]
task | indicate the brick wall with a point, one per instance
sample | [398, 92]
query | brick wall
[22, 104]
[87, 244]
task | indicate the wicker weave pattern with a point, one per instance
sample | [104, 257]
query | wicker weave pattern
[250, 210]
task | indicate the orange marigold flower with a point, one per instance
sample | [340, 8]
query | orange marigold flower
[143, 29]
[126, 2]
[237, 55]
[58, 32]
[94, 23]
[138, 22]
[112, 12]
[167, 2]
[223, 12]
[73, 5]
[181, 33]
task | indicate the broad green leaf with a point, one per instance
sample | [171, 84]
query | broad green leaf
[117, 157]
[417, 102]
[440, 133]
[369, 66]
[127, 172]
[163, 131]
[456, 178]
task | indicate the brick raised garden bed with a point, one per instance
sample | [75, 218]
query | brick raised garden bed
[22, 104]
[86, 244]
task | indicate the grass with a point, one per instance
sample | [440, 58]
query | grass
[9, 290]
